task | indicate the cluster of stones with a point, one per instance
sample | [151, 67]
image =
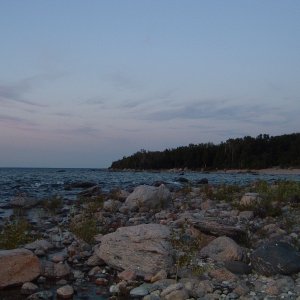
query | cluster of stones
[229, 254]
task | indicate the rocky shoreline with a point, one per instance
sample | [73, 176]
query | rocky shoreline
[157, 242]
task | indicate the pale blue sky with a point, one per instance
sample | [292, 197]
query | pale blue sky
[83, 83]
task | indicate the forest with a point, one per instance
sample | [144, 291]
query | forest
[264, 151]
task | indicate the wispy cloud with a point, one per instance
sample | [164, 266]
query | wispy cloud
[95, 101]
[12, 121]
[62, 114]
[83, 130]
[17, 92]
[122, 81]
[217, 110]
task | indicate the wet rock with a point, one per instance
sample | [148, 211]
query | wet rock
[65, 292]
[101, 281]
[79, 185]
[223, 249]
[149, 197]
[92, 191]
[276, 258]
[18, 266]
[29, 288]
[202, 181]
[55, 270]
[23, 201]
[143, 248]
[44, 295]
[182, 179]
[94, 271]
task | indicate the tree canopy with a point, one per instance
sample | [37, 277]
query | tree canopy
[264, 151]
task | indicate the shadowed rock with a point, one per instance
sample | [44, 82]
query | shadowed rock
[216, 228]
[276, 258]
[238, 267]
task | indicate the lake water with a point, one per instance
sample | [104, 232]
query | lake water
[44, 183]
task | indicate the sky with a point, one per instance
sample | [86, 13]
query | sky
[84, 83]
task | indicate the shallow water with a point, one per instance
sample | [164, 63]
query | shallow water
[43, 183]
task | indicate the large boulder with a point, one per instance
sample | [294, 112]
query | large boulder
[145, 196]
[18, 266]
[223, 249]
[144, 248]
[276, 258]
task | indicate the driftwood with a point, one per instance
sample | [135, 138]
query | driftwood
[216, 228]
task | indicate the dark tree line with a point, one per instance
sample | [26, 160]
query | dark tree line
[264, 151]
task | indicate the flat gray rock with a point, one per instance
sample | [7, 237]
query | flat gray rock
[144, 248]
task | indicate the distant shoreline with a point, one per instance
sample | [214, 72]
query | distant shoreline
[268, 171]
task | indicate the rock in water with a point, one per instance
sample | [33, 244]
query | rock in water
[55, 270]
[18, 266]
[23, 201]
[149, 197]
[43, 295]
[276, 258]
[65, 292]
[28, 288]
[144, 248]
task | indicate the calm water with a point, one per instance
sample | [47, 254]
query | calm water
[43, 183]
